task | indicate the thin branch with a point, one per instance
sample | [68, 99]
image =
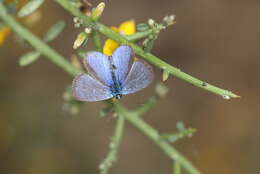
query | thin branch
[153, 134]
[174, 137]
[148, 56]
[114, 146]
[150, 102]
[139, 35]
[97, 41]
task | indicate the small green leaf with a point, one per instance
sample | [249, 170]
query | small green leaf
[30, 7]
[54, 31]
[29, 58]
[172, 138]
[142, 27]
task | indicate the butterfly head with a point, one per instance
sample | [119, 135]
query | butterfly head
[118, 96]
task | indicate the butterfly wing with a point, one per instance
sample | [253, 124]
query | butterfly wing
[98, 65]
[122, 60]
[139, 77]
[86, 88]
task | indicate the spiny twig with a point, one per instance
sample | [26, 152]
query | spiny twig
[146, 55]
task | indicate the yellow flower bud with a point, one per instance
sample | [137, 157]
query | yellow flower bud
[97, 12]
[80, 40]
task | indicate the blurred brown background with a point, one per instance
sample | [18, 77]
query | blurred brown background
[215, 40]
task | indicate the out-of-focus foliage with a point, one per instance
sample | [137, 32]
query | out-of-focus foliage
[54, 31]
[30, 7]
[29, 58]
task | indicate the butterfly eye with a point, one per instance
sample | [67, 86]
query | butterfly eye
[118, 96]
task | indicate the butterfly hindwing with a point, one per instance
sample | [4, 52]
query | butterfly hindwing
[98, 65]
[139, 77]
[122, 60]
[86, 88]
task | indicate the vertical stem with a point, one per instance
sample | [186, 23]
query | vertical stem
[114, 146]
[177, 167]
[97, 41]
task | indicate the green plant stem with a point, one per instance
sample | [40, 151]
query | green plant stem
[148, 56]
[61, 62]
[149, 45]
[150, 102]
[177, 167]
[174, 137]
[97, 41]
[139, 35]
[153, 134]
[114, 146]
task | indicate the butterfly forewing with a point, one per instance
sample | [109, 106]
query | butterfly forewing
[98, 65]
[122, 60]
[86, 88]
[139, 77]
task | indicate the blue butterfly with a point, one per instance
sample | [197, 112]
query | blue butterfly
[111, 76]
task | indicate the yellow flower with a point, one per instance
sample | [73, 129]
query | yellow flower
[4, 32]
[125, 28]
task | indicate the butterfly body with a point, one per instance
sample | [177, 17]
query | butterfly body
[116, 88]
[111, 76]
